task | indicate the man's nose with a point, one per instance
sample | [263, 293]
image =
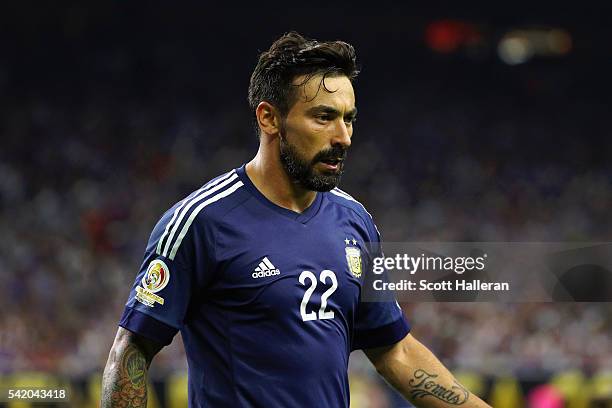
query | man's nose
[342, 135]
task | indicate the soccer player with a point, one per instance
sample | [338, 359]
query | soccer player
[262, 268]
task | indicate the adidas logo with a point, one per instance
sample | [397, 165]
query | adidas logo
[265, 268]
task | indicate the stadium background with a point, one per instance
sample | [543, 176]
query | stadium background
[468, 130]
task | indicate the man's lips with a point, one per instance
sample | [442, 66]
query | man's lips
[332, 163]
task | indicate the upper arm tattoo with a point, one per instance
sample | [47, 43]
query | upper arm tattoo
[127, 385]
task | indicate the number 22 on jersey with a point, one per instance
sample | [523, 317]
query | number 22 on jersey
[325, 275]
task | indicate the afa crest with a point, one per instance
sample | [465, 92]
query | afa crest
[353, 259]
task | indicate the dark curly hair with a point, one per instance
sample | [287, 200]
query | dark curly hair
[293, 55]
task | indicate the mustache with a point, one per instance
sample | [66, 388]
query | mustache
[336, 152]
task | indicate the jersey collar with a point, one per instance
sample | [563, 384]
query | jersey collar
[302, 217]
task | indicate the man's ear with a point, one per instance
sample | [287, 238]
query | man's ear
[268, 118]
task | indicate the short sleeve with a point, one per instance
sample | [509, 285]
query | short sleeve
[378, 324]
[175, 262]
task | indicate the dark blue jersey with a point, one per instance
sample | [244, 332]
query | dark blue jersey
[267, 300]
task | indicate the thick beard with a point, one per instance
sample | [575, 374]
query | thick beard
[302, 172]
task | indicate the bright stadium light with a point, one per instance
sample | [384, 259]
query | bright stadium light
[514, 50]
[519, 46]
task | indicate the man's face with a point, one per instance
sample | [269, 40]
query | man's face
[315, 135]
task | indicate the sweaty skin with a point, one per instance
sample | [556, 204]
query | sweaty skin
[420, 377]
[124, 382]
[321, 118]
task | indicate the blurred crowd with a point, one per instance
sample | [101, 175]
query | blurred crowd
[506, 156]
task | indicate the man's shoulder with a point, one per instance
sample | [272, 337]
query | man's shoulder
[343, 198]
[213, 198]
[199, 209]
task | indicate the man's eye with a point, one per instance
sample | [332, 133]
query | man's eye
[324, 117]
[350, 120]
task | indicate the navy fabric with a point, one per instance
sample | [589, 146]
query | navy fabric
[147, 326]
[267, 304]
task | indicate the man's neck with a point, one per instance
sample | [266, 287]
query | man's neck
[271, 179]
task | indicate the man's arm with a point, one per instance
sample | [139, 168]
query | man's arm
[124, 383]
[420, 377]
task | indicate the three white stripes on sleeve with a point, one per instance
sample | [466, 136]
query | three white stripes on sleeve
[202, 198]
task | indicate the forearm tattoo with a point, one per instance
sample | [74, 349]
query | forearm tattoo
[425, 384]
[126, 385]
